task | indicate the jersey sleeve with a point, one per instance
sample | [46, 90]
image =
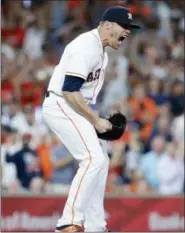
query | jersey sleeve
[80, 62]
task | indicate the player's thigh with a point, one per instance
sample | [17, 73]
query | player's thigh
[77, 134]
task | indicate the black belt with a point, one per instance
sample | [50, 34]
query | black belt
[49, 92]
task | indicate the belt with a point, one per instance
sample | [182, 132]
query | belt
[48, 94]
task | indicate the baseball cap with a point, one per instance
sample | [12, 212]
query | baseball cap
[121, 16]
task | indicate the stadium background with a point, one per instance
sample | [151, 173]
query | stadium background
[144, 80]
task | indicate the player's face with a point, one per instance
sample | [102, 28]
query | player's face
[118, 35]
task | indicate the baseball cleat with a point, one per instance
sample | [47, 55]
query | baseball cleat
[69, 228]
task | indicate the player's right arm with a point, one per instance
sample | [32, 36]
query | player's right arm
[77, 70]
[77, 102]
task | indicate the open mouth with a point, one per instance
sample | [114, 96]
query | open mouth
[122, 38]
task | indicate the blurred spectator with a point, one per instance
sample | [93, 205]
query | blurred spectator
[31, 93]
[116, 88]
[149, 162]
[43, 152]
[138, 183]
[164, 13]
[139, 9]
[155, 92]
[34, 40]
[10, 182]
[62, 169]
[177, 46]
[133, 153]
[177, 98]
[12, 32]
[177, 128]
[171, 172]
[13, 116]
[7, 52]
[124, 159]
[117, 168]
[27, 166]
[144, 110]
[32, 127]
[160, 128]
[164, 110]
[58, 12]
[73, 23]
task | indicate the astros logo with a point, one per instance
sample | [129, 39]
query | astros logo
[129, 15]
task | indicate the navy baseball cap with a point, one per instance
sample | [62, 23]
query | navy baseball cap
[121, 16]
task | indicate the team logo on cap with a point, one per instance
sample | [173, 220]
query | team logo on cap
[129, 15]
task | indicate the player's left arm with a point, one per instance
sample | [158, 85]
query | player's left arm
[75, 99]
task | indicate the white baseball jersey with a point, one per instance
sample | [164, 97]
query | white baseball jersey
[83, 57]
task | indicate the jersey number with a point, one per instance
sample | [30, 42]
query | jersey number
[94, 77]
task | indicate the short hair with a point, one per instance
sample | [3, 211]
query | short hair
[101, 23]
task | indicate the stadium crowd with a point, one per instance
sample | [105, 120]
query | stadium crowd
[144, 80]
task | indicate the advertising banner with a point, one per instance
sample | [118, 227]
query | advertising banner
[32, 214]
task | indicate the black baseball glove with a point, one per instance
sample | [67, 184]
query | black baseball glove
[118, 121]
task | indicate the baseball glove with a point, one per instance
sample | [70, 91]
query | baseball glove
[118, 121]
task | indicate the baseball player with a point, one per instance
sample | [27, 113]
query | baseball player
[67, 110]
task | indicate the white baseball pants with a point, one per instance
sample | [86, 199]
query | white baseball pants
[84, 205]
